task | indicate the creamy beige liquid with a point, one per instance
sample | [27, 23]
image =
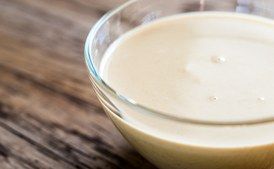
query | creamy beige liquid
[212, 67]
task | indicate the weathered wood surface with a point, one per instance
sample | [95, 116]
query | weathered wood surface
[49, 115]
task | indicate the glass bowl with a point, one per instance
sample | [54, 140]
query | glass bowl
[161, 145]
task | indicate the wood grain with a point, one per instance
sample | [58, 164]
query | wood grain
[49, 115]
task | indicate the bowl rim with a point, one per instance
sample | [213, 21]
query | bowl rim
[95, 77]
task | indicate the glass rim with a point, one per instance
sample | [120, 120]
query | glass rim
[88, 55]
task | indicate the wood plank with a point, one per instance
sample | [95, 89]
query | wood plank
[38, 113]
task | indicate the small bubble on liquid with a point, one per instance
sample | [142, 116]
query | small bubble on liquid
[218, 59]
[261, 99]
[213, 98]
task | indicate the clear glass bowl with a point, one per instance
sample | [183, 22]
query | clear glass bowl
[160, 145]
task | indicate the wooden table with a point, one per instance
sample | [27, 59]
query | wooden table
[49, 115]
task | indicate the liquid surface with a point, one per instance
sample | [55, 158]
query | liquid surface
[209, 67]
